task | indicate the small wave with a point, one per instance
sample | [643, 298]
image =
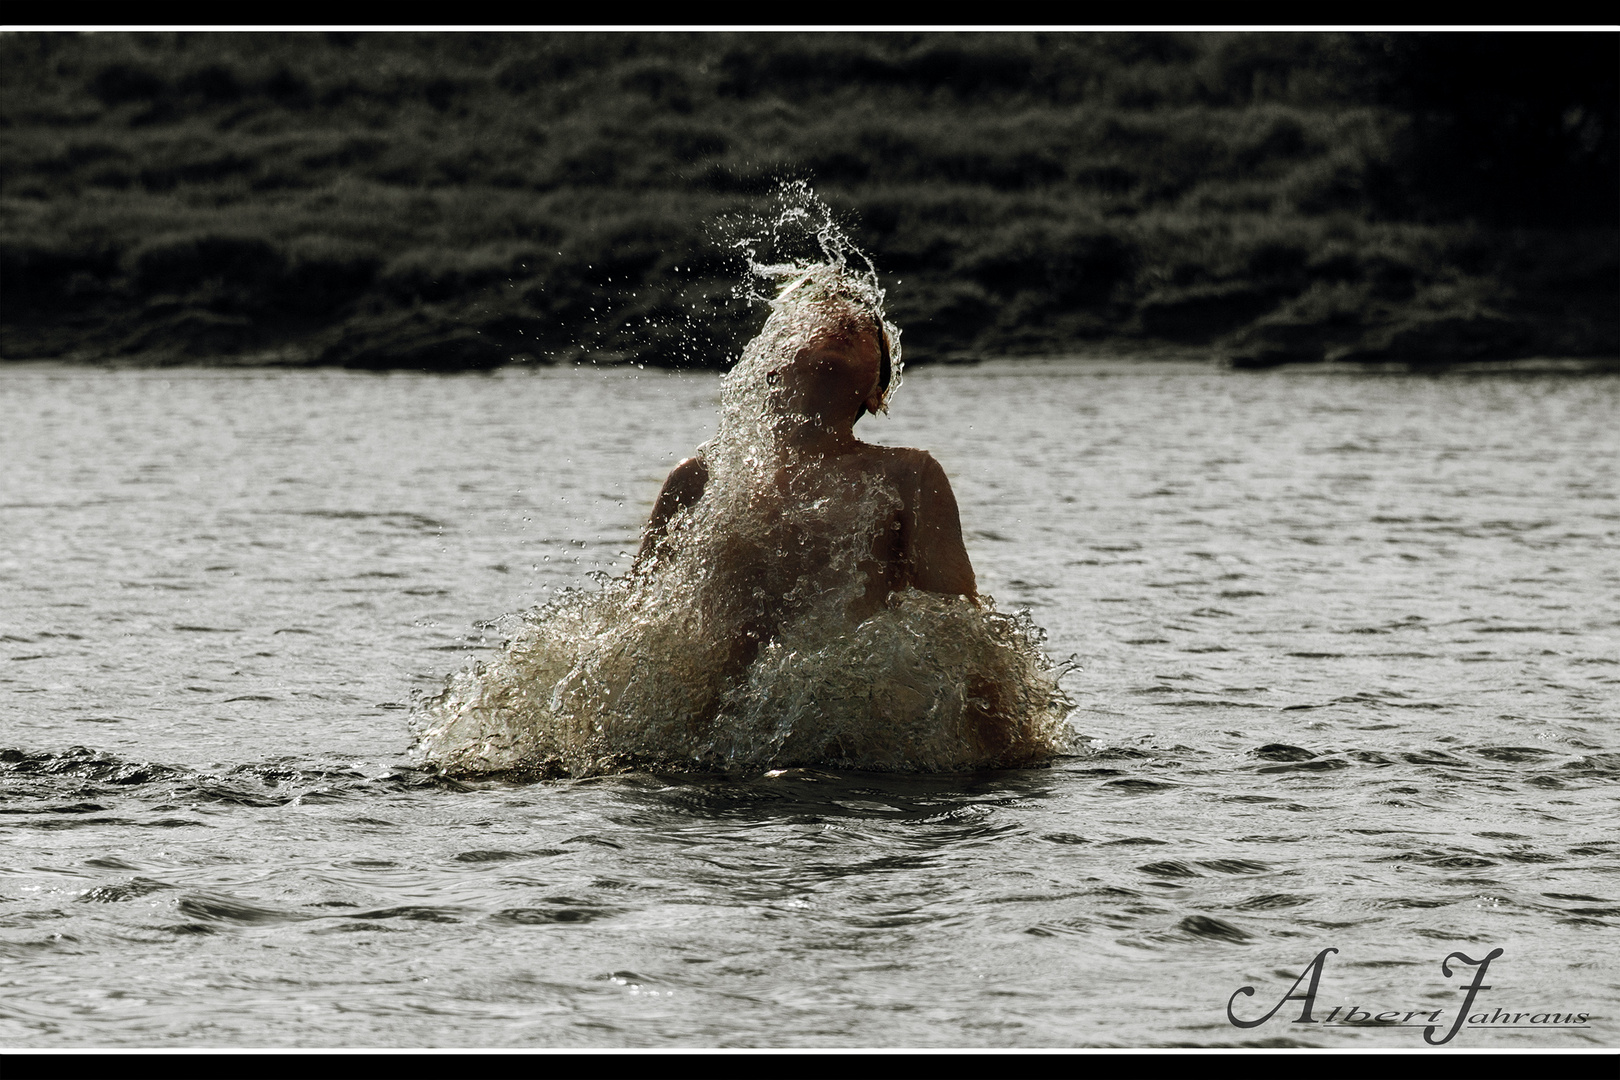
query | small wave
[1206, 926]
[63, 785]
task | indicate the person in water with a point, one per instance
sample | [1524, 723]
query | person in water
[816, 491]
[800, 597]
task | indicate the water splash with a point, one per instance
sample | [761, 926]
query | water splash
[596, 683]
[759, 632]
[798, 233]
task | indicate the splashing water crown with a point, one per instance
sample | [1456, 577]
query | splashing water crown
[842, 273]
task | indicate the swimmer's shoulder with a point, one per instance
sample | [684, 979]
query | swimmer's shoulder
[685, 484]
[695, 467]
[893, 455]
[915, 474]
[903, 462]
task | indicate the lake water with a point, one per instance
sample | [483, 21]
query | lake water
[1351, 676]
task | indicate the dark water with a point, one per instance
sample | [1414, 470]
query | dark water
[1351, 650]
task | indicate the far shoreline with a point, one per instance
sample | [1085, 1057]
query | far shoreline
[1088, 362]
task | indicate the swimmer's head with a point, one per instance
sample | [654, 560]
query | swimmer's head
[818, 300]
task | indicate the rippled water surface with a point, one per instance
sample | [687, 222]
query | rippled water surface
[1351, 650]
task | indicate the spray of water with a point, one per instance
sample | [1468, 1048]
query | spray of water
[799, 245]
[750, 638]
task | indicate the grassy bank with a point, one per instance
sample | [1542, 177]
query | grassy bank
[464, 200]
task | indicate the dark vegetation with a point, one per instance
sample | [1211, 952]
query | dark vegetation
[460, 200]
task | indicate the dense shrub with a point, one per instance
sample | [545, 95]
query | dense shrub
[1018, 191]
[178, 263]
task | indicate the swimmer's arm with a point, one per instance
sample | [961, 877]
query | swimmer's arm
[938, 558]
[683, 488]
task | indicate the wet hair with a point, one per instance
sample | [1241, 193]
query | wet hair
[885, 369]
[886, 372]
